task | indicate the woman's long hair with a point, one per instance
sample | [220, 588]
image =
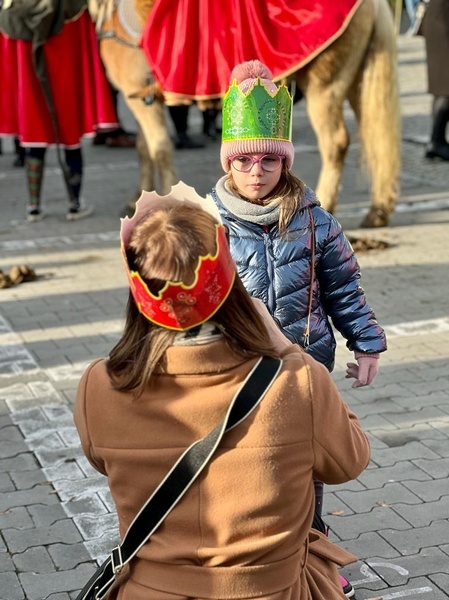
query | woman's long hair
[289, 190]
[165, 246]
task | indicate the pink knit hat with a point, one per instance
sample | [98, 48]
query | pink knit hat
[256, 122]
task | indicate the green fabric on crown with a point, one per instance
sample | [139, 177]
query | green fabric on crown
[256, 114]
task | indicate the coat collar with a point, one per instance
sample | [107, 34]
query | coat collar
[215, 357]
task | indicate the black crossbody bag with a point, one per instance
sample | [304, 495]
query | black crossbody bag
[179, 479]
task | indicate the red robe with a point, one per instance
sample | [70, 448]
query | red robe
[81, 92]
[193, 45]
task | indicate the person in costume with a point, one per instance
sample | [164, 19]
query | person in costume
[192, 337]
[55, 89]
[435, 29]
[290, 253]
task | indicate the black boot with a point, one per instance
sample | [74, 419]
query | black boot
[183, 140]
[77, 208]
[19, 150]
[210, 128]
[438, 147]
[179, 115]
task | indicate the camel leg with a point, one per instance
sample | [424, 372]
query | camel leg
[361, 66]
[128, 71]
[375, 92]
[145, 173]
[159, 145]
[325, 83]
[325, 95]
[326, 117]
[378, 215]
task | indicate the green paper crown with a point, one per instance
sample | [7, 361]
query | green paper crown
[256, 114]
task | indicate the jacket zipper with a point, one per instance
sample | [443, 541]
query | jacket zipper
[270, 267]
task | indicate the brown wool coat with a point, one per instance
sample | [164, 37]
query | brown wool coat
[243, 528]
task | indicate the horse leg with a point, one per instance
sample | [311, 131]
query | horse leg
[374, 98]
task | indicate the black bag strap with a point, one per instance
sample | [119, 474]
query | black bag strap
[179, 479]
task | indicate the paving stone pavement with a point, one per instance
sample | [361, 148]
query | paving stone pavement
[56, 515]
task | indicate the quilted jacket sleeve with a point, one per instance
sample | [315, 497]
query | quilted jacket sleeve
[342, 294]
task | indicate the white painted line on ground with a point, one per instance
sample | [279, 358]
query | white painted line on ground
[370, 576]
[63, 241]
[414, 328]
[407, 593]
[401, 207]
[92, 167]
[113, 328]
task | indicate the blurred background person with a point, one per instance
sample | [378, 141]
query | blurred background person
[435, 29]
[410, 7]
[54, 86]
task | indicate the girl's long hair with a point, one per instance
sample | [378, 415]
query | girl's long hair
[289, 190]
[165, 246]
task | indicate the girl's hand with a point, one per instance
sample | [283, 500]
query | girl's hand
[365, 371]
[280, 342]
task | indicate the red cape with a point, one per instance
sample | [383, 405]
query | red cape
[193, 45]
[81, 93]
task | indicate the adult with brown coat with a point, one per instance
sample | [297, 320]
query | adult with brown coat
[192, 336]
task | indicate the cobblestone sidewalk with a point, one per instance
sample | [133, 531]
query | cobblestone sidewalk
[56, 515]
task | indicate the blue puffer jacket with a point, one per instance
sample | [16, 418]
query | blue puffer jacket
[277, 270]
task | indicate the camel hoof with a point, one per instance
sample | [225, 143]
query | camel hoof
[376, 217]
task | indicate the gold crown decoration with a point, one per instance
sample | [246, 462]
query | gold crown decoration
[179, 306]
[257, 114]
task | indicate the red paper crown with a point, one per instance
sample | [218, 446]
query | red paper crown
[178, 306]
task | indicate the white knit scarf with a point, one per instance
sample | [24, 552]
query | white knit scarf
[243, 209]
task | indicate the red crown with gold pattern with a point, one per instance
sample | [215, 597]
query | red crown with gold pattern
[179, 306]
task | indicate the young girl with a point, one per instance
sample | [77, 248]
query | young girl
[290, 253]
[192, 337]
